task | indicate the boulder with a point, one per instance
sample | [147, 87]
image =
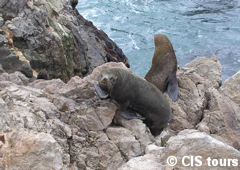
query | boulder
[75, 117]
[221, 119]
[205, 151]
[194, 80]
[51, 35]
[231, 88]
[23, 150]
[71, 121]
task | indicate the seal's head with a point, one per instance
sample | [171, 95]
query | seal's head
[106, 81]
[162, 44]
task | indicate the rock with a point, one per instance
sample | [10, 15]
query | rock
[3, 40]
[222, 119]
[1, 21]
[52, 35]
[1, 69]
[23, 150]
[193, 79]
[9, 59]
[16, 77]
[187, 143]
[126, 142]
[139, 130]
[209, 69]
[231, 88]
[50, 86]
[79, 124]
[75, 117]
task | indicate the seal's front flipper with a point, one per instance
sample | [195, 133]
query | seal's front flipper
[173, 88]
[130, 115]
[102, 94]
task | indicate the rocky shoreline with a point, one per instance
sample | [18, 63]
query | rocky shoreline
[49, 124]
[62, 124]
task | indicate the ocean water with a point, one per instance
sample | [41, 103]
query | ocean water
[195, 28]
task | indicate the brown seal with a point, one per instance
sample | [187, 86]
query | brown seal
[164, 67]
[134, 94]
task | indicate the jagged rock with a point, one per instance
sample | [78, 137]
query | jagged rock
[126, 142]
[16, 77]
[222, 119]
[52, 35]
[76, 118]
[231, 88]
[139, 130]
[81, 123]
[23, 150]
[209, 71]
[193, 79]
[187, 143]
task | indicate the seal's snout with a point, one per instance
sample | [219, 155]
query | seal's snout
[103, 81]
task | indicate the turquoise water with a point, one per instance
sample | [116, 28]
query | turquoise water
[195, 28]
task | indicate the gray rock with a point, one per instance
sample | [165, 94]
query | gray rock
[186, 143]
[51, 35]
[1, 22]
[71, 113]
[79, 124]
[16, 77]
[3, 40]
[231, 88]
[194, 80]
[125, 141]
[222, 119]
[1, 69]
[23, 150]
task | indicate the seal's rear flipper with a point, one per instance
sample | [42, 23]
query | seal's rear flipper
[130, 115]
[173, 89]
[102, 94]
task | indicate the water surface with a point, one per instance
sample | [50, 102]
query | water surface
[195, 28]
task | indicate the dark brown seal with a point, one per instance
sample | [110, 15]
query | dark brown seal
[164, 67]
[136, 94]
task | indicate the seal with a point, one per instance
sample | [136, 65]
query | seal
[134, 94]
[164, 67]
